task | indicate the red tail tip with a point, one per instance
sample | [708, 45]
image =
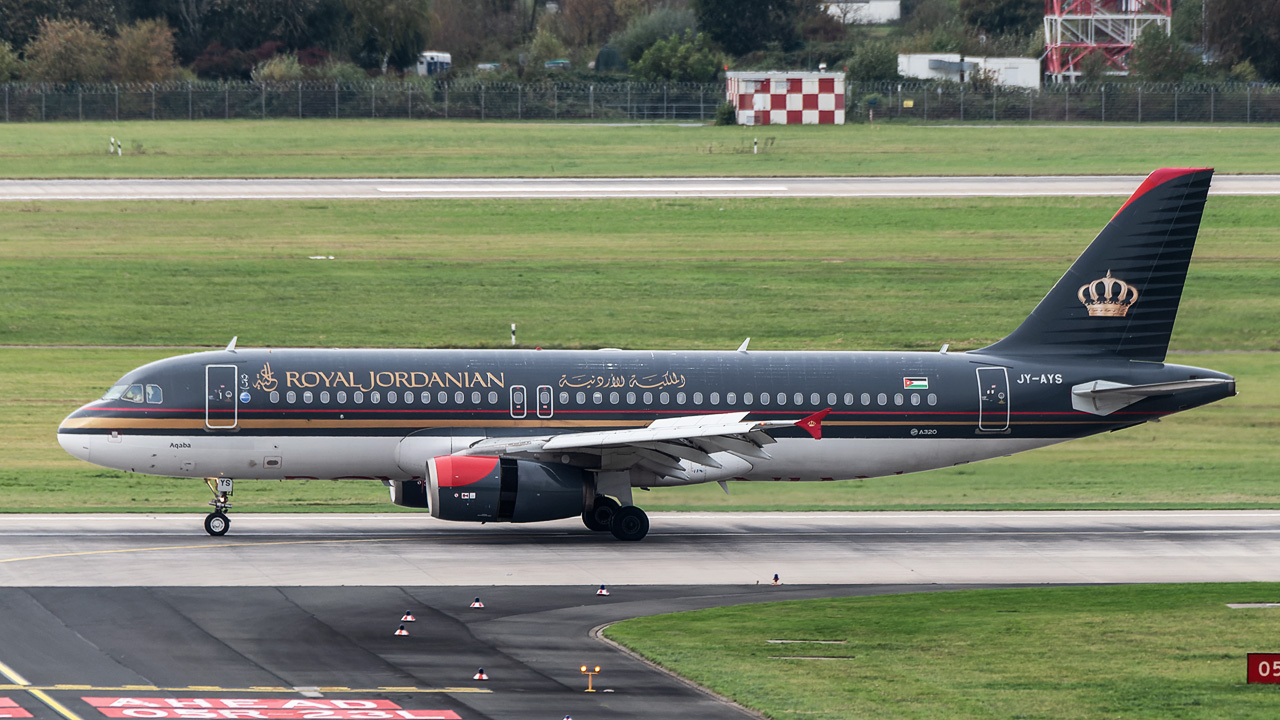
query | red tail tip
[813, 424]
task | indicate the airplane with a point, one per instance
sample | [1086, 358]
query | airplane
[534, 435]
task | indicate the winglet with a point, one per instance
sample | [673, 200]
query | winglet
[813, 423]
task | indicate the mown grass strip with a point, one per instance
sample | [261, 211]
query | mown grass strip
[401, 148]
[1125, 652]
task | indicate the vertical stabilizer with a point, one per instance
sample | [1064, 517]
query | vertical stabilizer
[1120, 297]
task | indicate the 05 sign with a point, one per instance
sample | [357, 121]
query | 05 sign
[1264, 668]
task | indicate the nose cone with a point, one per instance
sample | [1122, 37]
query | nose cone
[76, 444]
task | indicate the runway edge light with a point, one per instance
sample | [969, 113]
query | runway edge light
[476, 603]
[408, 617]
[603, 590]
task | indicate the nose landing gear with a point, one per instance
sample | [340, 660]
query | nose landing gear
[217, 523]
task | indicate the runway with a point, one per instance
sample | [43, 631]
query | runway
[692, 549]
[598, 188]
[293, 617]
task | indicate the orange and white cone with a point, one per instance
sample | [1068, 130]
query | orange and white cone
[476, 603]
[402, 631]
[603, 590]
[480, 675]
[408, 617]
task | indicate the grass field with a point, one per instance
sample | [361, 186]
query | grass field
[1167, 651]
[391, 148]
[856, 274]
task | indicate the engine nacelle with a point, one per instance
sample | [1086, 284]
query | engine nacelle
[409, 493]
[490, 489]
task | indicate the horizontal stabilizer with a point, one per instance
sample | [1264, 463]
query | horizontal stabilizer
[1103, 397]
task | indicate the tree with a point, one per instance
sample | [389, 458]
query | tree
[645, 29]
[1003, 16]
[143, 52]
[393, 26]
[873, 61]
[585, 23]
[1240, 30]
[65, 51]
[10, 65]
[679, 58]
[1158, 57]
[741, 26]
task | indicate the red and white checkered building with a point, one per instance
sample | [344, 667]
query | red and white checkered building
[787, 98]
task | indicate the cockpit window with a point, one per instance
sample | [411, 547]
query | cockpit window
[133, 394]
[115, 391]
[155, 395]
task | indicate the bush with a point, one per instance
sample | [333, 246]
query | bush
[726, 114]
[645, 30]
[67, 51]
[873, 61]
[281, 68]
[687, 58]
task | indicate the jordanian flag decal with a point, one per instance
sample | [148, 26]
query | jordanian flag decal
[915, 383]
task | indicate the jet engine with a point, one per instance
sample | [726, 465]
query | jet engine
[409, 493]
[490, 489]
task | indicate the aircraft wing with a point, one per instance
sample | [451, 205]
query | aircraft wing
[661, 445]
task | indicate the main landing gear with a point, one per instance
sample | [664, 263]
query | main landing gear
[217, 523]
[626, 523]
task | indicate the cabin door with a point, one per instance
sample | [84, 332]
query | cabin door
[221, 407]
[993, 399]
[546, 401]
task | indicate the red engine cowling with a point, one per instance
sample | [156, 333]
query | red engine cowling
[490, 489]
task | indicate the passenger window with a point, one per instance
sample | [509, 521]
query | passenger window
[664, 398]
[493, 397]
[342, 396]
[866, 398]
[799, 398]
[391, 397]
[697, 398]
[631, 398]
[782, 398]
[155, 395]
[747, 398]
[291, 397]
[764, 398]
[933, 399]
[475, 397]
[597, 397]
[715, 398]
[831, 398]
[275, 396]
[648, 398]
[459, 397]
[408, 396]
[614, 397]
[133, 394]
[848, 398]
[564, 397]
[680, 398]
[358, 396]
[581, 397]
[882, 399]
[442, 397]
[815, 399]
[425, 397]
[324, 396]
[897, 398]
[375, 397]
[306, 397]
[731, 398]
[915, 398]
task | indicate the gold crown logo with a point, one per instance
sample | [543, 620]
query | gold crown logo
[1108, 296]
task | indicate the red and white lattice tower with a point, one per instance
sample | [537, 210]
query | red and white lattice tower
[1076, 29]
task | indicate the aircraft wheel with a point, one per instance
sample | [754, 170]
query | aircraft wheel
[599, 517]
[629, 523]
[217, 524]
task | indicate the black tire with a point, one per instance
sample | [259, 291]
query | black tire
[599, 517]
[217, 524]
[629, 523]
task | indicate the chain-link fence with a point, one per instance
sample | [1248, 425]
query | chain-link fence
[425, 99]
[1105, 102]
